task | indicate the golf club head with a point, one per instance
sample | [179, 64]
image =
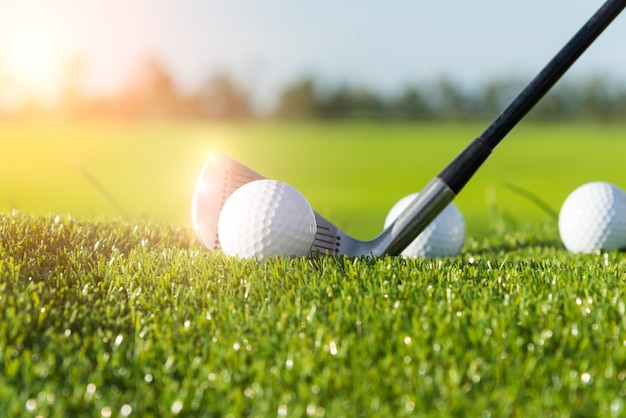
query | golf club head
[219, 178]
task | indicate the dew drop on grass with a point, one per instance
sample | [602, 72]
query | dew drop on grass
[616, 406]
[585, 378]
[50, 398]
[118, 340]
[105, 412]
[169, 363]
[407, 340]
[187, 323]
[148, 378]
[31, 404]
[333, 348]
[282, 410]
[176, 407]
[125, 410]
[311, 314]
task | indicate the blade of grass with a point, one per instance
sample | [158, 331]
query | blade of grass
[104, 192]
[527, 194]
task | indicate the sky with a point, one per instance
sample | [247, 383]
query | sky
[265, 44]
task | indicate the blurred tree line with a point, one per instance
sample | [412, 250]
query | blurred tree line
[595, 98]
[153, 93]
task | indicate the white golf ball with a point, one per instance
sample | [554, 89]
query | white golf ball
[593, 217]
[266, 218]
[444, 236]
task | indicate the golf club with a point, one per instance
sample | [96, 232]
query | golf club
[221, 176]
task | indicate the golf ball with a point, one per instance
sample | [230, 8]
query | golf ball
[264, 219]
[593, 217]
[444, 236]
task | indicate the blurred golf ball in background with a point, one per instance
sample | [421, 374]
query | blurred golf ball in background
[593, 217]
[266, 218]
[444, 237]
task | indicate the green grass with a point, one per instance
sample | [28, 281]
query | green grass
[103, 315]
[106, 317]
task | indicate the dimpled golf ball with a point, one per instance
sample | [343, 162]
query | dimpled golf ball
[593, 218]
[444, 236]
[264, 219]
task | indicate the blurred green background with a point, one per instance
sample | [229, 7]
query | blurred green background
[351, 172]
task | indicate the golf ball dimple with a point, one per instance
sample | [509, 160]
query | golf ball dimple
[264, 219]
[444, 236]
[593, 217]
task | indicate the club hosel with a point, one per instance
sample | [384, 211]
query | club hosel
[417, 216]
[462, 168]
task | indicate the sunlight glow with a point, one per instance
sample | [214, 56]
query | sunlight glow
[30, 62]
[33, 67]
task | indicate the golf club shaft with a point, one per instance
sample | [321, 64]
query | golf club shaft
[442, 189]
[459, 171]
